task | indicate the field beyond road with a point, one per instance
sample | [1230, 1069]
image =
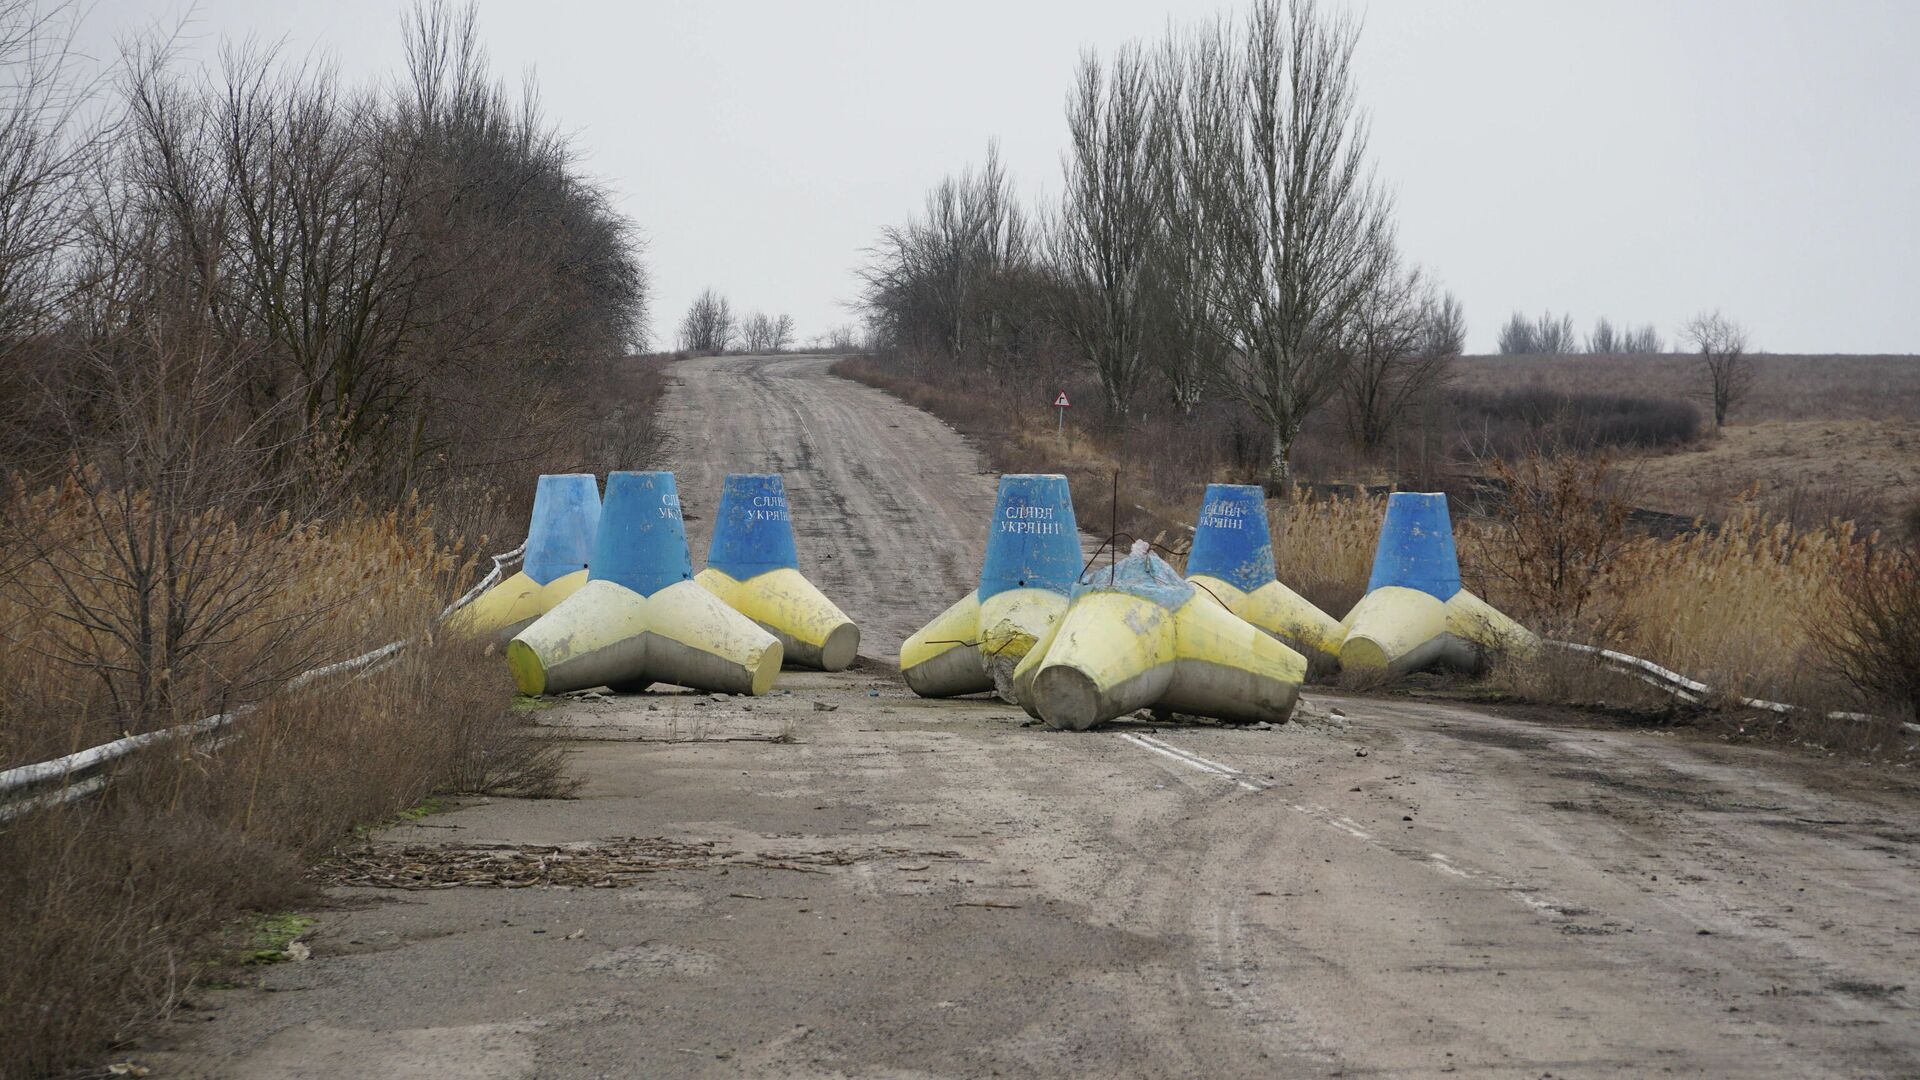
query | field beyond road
[842, 880]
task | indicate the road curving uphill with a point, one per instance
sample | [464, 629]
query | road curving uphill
[842, 878]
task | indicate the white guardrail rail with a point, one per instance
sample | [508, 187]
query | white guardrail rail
[1691, 690]
[32, 787]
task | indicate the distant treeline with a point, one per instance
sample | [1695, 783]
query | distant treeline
[1550, 335]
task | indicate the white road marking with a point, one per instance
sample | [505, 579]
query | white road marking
[1191, 760]
[1437, 861]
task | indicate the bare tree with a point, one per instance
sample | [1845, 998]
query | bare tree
[709, 324]
[176, 490]
[956, 282]
[761, 333]
[46, 149]
[1546, 335]
[1516, 336]
[1185, 339]
[1628, 340]
[1300, 222]
[1644, 341]
[1604, 339]
[1445, 322]
[842, 339]
[1722, 346]
[756, 333]
[1396, 353]
[1101, 244]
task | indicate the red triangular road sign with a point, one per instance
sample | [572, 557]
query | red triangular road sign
[1061, 402]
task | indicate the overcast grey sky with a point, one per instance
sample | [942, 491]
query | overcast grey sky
[1642, 160]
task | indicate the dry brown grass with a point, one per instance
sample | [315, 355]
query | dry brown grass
[119, 904]
[1786, 387]
[1818, 438]
[336, 590]
[1807, 472]
[116, 904]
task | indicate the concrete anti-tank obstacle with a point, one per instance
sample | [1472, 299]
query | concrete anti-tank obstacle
[640, 619]
[1138, 636]
[1415, 613]
[754, 568]
[1033, 557]
[1232, 559]
[566, 514]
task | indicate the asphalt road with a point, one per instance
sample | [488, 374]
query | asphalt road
[869, 885]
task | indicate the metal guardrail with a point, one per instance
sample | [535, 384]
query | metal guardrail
[27, 788]
[1692, 690]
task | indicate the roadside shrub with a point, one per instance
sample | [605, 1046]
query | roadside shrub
[1873, 638]
[1507, 423]
[1555, 533]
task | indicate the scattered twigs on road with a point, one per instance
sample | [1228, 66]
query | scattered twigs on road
[510, 866]
[605, 864]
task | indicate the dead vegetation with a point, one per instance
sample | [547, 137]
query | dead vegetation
[268, 344]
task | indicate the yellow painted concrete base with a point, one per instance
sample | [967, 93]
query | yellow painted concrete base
[507, 608]
[813, 632]
[972, 648]
[1395, 630]
[608, 635]
[1115, 652]
[1281, 612]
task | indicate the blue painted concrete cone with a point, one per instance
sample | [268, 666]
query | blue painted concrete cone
[640, 619]
[753, 532]
[1232, 558]
[566, 515]
[753, 566]
[642, 541]
[1230, 540]
[1034, 542]
[1415, 613]
[1032, 559]
[1416, 546]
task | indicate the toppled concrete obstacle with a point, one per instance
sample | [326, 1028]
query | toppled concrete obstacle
[753, 566]
[1138, 636]
[566, 513]
[1415, 613]
[1232, 558]
[640, 619]
[1033, 557]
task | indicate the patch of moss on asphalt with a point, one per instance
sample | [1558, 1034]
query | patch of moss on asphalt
[272, 934]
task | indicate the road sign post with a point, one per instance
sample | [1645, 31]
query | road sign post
[1061, 403]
